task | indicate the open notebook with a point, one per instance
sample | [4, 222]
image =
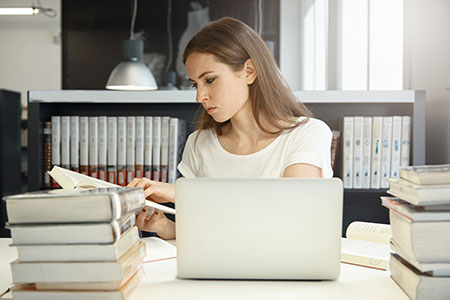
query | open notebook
[72, 180]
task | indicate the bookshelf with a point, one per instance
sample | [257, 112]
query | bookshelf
[330, 106]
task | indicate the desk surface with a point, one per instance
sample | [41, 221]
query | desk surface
[160, 282]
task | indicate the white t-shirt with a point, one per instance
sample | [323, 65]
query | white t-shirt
[308, 143]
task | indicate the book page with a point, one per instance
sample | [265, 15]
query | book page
[365, 253]
[371, 232]
[158, 249]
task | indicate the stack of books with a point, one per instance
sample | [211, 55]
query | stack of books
[420, 222]
[76, 244]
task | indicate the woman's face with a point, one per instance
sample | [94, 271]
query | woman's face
[222, 91]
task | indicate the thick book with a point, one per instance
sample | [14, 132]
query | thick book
[427, 175]
[367, 244]
[92, 271]
[139, 166]
[419, 194]
[430, 213]
[65, 142]
[47, 139]
[131, 148]
[156, 153]
[423, 241]
[177, 140]
[79, 252]
[148, 146]
[111, 151]
[418, 286]
[102, 146]
[76, 291]
[84, 145]
[56, 143]
[406, 141]
[396, 145]
[69, 206]
[122, 151]
[358, 123]
[74, 143]
[165, 148]
[386, 148]
[93, 147]
[71, 180]
[347, 153]
[72, 233]
[366, 152]
[375, 165]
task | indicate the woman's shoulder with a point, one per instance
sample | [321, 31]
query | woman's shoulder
[312, 125]
[200, 136]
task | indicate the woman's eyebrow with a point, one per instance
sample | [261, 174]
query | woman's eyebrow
[201, 75]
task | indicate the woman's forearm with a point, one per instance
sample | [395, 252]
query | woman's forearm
[169, 231]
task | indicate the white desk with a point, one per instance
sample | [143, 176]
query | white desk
[160, 283]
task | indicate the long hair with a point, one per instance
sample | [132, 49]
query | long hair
[233, 42]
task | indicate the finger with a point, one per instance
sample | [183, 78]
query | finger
[149, 191]
[142, 184]
[140, 219]
[133, 182]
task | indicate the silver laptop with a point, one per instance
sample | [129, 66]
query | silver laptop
[288, 228]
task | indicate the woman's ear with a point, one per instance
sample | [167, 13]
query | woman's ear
[250, 71]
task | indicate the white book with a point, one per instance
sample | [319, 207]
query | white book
[377, 131]
[156, 157]
[79, 252]
[84, 145]
[177, 139]
[65, 142]
[131, 143]
[111, 153]
[358, 123]
[102, 146]
[139, 166]
[386, 152]
[164, 148]
[396, 145]
[56, 143]
[406, 141]
[148, 146]
[75, 143]
[347, 153]
[121, 150]
[99, 271]
[367, 151]
[93, 147]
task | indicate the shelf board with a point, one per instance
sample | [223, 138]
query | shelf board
[188, 96]
[366, 191]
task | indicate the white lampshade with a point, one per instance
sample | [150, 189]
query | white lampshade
[132, 74]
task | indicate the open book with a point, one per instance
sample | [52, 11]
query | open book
[72, 180]
[367, 244]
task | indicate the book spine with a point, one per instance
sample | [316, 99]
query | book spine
[123, 224]
[126, 202]
[377, 128]
[47, 135]
[386, 152]
[56, 144]
[156, 157]
[148, 145]
[139, 167]
[357, 151]
[131, 144]
[121, 150]
[164, 148]
[75, 143]
[84, 145]
[406, 141]
[112, 150]
[102, 149]
[396, 145]
[65, 142]
[93, 147]
[347, 153]
[366, 152]
[177, 139]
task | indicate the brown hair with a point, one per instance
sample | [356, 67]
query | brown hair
[233, 42]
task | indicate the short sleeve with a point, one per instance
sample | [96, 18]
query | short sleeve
[311, 144]
[188, 166]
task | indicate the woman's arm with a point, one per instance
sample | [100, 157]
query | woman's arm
[303, 170]
[157, 223]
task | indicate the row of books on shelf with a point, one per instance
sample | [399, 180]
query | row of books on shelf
[76, 244]
[374, 148]
[115, 148]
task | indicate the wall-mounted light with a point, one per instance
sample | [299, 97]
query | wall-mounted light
[27, 11]
[132, 73]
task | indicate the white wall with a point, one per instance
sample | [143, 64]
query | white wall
[30, 49]
[427, 33]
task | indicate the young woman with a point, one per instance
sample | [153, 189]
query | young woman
[252, 124]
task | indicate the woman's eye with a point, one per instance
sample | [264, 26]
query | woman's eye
[194, 85]
[210, 80]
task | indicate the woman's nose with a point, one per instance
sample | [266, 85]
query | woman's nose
[202, 96]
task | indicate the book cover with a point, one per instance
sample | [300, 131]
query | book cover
[427, 174]
[377, 129]
[56, 143]
[47, 136]
[131, 147]
[102, 146]
[406, 141]
[396, 145]
[366, 152]
[84, 145]
[334, 147]
[358, 123]
[386, 141]
[419, 194]
[74, 143]
[177, 140]
[111, 152]
[156, 155]
[164, 148]
[65, 142]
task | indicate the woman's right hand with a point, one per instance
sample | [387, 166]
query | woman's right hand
[157, 222]
[156, 191]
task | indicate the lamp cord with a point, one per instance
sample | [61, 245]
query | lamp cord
[5, 292]
[48, 12]
[133, 19]
[169, 35]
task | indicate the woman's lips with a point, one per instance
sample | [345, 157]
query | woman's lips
[211, 109]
